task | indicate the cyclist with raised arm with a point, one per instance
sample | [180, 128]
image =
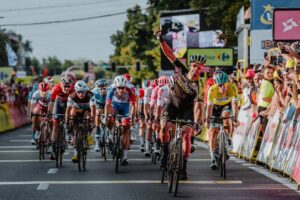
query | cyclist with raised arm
[183, 103]
[122, 99]
[222, 98]
[39, 105]
[97, 106]
[58, 105]
[79, 104]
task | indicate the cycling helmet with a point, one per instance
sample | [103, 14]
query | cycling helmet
[65, 80]
[250, 73]
[163, 80]
[48, 80]
[120, 81]
[145, 84]
[127, 77]
[43, 87]
[81, 86]
[100, 83]
[221, 78]
[199, 59]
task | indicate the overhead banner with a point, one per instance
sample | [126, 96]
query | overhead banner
[262, 11]
[180, 31]
[286, 24]
[214, 56]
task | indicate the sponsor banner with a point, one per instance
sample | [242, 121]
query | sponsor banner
[296, 172]
[5, 118]
[18, 115]
[251, 140]
[286, 24]
[292, 155]
[214, 56]
[262, 11]
[261, 42]
[241, 130]
[269, 137]
[5, 73]
[285, 148]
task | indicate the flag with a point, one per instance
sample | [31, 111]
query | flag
[11, 56]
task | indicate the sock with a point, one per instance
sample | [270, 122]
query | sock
[212, 155]
[125, 154]
[142, 140]
[147, 145]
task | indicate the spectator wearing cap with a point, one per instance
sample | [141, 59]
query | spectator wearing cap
[265, 95]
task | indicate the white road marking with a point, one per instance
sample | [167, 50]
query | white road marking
[19, 140]
[43, 186]
[24, 135]
[240, 161]
[17, 147]
[52, 171]
[19, 151]
[275, 177]
[89, 160]
[247, 164]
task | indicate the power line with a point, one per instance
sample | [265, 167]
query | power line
[55, 6]
[68, 20]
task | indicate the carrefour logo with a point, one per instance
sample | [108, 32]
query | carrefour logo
[266, 17]
[224, 57]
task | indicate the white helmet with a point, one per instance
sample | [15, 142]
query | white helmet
[81, 86]
[120, 81]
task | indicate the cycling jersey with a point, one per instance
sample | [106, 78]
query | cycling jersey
[35, 88]
[121, 102]
[147, 96]
[57, 91]
[43, 101]
[163, 95]
[217, 98]
[141, 94]
[82, 104]
[154, 95]
[182, 97]
[98, 100]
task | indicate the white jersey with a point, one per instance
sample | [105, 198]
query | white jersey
[163, 95]
[147, 96]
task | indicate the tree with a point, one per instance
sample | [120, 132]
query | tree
[53, 64]
[67, 64]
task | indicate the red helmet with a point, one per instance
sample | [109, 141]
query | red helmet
[127, 77]
[43, 87]
[250, 73]
[163, 80]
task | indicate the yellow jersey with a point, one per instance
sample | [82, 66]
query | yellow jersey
[217, 98]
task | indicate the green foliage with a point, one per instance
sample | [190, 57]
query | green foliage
[67, 64]
[53, 64]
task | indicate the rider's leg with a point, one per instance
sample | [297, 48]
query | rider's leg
[126, 139]
[186, 148]
[213, 142]
[142, 133]
[165, 137]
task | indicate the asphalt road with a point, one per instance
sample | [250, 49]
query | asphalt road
[24, 176]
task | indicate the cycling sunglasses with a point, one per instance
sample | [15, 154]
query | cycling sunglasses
[121, 88]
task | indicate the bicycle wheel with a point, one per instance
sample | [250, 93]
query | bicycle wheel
[79, 149]
[84, 150]
[61, 147]
[224, 162]
[41, 142]
[163, 175]
[170, 167]
[171, 178]
[103, 147]
[221, 153]
[178, 164]
[117, 151]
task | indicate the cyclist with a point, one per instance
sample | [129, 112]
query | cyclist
[49, 80]
[79, 103]
[222, 96]
[158, 100]
[98, 105]
[58, 104]
[147, 99]
[184, 102]
[135, 92]
[122, 99]
[140, 111]
[39, 105]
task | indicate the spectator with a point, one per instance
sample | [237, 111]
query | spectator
[266, 92]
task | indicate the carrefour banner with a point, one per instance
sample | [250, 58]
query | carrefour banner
[214, 56]
[262, 11]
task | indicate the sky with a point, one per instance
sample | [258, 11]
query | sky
[73, 40]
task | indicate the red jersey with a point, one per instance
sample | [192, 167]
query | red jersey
[57, 91]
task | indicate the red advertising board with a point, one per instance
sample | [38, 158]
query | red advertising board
[286, 24]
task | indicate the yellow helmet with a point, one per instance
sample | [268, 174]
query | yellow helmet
[290, 63]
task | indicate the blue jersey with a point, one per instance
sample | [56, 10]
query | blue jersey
[98, 100]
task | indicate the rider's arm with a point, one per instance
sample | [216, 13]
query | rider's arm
[197, 112]
[132, 99]
[93, 107]
[234, 103]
